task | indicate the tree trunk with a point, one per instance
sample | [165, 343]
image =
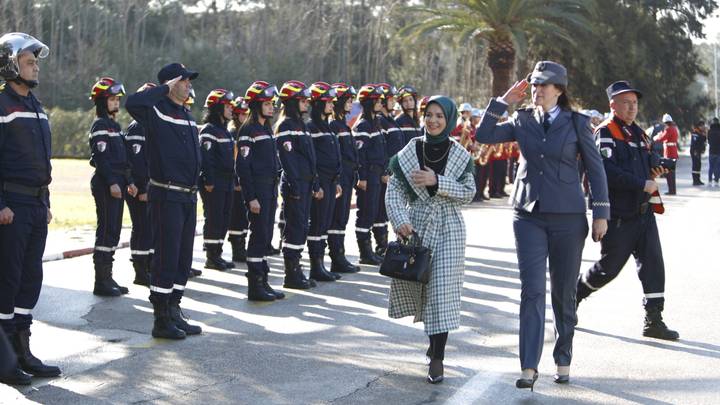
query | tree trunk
[501, 61]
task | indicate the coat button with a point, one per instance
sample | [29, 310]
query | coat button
[542, 156]
[541, 172]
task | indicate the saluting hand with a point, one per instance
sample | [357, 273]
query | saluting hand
[599, 229]
[172, 82]
[425, 177]
[516, 93]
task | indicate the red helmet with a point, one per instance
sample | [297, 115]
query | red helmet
[218, 96]
[369, 92]
[106, 87]
[239, 106]
[387, 90]
[423, 103]
[146, 86]
[344, 90]
[321, 91]
[407, 91]
[293, 89]
[260, 91]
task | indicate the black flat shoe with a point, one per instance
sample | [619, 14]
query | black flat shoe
[561, 379]
[527, 382]
[435, 372]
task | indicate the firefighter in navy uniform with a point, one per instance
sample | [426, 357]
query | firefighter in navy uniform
[217, 177]
[299, 182]
[258, 170]
[141, 235]
[348, 179]
[109, 182]
[394, 142]
[698, 144]
[408, 121]
[329, 168]
[372, 169]
[25, 169]
[174, 161]
[634, 198]
[238, 229]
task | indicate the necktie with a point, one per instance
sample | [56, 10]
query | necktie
[546, 122]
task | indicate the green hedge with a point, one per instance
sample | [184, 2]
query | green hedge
[70, 130]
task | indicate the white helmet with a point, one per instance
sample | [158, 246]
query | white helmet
[667, 118]
[465, 107]
[11, 46]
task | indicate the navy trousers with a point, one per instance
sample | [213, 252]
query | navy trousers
[638, 237]
[321, 216]
[261, 234]
[341, 214]
[109, 212]
[216, 210]
[296, 210]
[173, 238]
[22, 244]
[141, 234]
[238, 217]
[368, 204]
[380, 226]
[557, 240]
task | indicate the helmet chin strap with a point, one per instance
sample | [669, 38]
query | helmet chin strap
[30, 83]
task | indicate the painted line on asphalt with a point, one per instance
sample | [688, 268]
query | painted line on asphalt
[472, 391]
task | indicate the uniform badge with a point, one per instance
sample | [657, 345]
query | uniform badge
[359, 144]
[101, 146]
[136, 148]
[606, 152]
[287, 145]
[207, 145]
[244, 151]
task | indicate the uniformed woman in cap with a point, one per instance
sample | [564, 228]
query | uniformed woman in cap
[549, 222]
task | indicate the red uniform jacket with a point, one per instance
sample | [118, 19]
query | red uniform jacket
[669, 138]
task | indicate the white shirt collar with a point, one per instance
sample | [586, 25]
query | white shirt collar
[554, 112]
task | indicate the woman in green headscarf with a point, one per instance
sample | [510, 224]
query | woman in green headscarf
[432, 178]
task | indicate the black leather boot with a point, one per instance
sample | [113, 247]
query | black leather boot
[164, 327]
[105, 286]
[16, 377]
[26, 360]
[213, 260]
[655, 327]
[142, 276]
[239, 252]
[256, 288]
[294, 277]
[227, 264]
[318, 272]
[266, 270]
[123, 290]
[178, 318]
[340, 263]
[367, 256]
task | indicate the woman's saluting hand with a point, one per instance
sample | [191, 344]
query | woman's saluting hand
[424, 177]
[516, 93]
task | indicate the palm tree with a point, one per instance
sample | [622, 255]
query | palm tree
[502, 27]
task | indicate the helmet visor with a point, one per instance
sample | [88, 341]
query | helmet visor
[117, 89]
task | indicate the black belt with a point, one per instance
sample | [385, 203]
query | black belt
[121, 172]
[174, 187]
[225, 176]
[25, 190]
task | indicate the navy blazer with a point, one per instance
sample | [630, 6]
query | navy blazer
[548, 173]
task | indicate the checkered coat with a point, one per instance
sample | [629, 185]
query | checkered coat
[441, 227]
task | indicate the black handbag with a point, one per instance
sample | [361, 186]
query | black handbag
[407, 260]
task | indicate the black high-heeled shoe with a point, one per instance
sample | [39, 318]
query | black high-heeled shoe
[527, 382]
[561, 379]
[435, 372]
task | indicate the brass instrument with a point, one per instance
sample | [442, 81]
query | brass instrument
[482, 154]
[465, 140]
[499, 150]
